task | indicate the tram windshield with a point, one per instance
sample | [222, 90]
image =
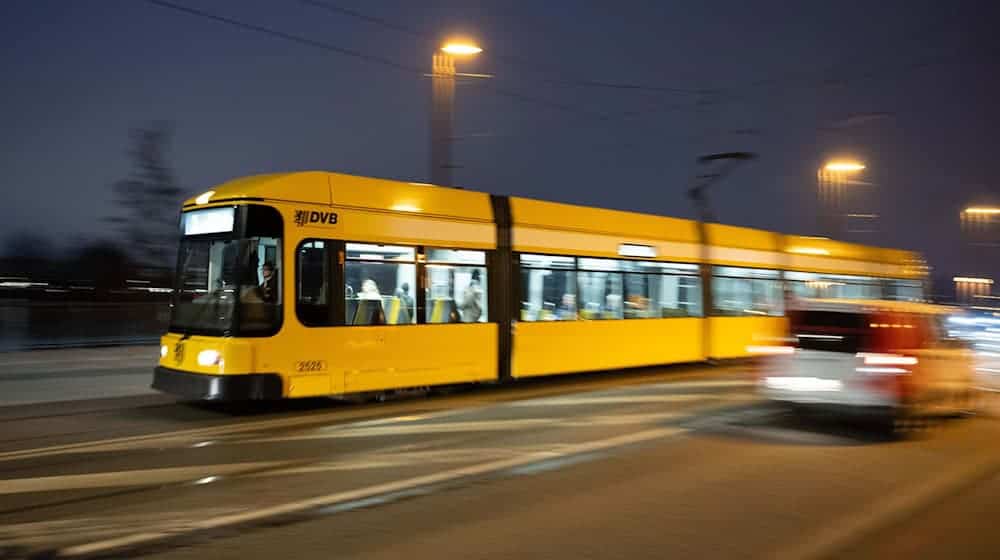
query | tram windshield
[229, 281]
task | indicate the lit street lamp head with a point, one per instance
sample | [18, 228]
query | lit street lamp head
[983, 210]
[844, 166]
[461, 48]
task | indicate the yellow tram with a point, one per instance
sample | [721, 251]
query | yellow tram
[313, 283]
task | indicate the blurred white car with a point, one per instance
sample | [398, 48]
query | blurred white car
[888, 359]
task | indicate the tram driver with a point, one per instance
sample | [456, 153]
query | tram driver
[269, 286]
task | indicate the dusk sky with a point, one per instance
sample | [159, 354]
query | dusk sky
[909, 87]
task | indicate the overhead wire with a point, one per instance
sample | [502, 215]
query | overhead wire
[322, 45]
[567, 79]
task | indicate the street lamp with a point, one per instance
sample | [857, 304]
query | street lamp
[443, 106]
[831, 178]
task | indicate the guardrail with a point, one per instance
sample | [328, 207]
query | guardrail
[29, 325]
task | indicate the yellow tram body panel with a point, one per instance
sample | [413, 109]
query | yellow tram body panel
[552, 347]
[729, 337]
[551, 227]
[332, 361]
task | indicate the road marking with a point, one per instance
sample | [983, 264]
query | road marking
[336, 417]
[610, 399]
[143, 477]
[707, 384]
[488, 425]
[383, 460]
[46, 533]
[103, 546]
[856, 525]
[129, 442]
[406, 429]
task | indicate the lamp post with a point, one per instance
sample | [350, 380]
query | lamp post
[831, 178]
[442, 107]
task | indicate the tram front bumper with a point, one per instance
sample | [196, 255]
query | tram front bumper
[207, 387]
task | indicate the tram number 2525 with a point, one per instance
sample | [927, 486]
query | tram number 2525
[310, 365]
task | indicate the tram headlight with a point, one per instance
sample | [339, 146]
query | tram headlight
[163, 351]
[209, 358]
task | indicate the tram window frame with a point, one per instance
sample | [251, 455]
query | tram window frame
[382, 315]
[618, 272]
[610, 301]
[458, 262]
[750, 280]
[328, 317]
[892, 288]
[806, 284]
[661, 270]
[534, 269]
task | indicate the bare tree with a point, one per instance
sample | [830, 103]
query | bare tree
[150, 198]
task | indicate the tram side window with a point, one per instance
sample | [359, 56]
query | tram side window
[905, 290]
[378, 280]
[833, 286]
[746, 291]
[679, 296]
[640, 296]
[600, 287]
[548, 288]
[456, 286]
[312, 273]
[657, 289]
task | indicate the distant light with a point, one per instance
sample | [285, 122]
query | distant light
[160, 290]
[770, 350]
[803, 384]
[204, 197]
[984, 210]
[206, 480]
[808, 251]
[633, 250]
[461, 48]
[967, 280]
[880, 370]
[405, 208]
[877, 359]
[844, 166]
[820, 336]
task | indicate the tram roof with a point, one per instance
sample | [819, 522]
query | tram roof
[339, 189]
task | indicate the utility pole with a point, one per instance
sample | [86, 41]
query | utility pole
[724, 163]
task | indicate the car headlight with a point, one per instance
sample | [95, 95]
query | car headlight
[208, 358]
[163, 351]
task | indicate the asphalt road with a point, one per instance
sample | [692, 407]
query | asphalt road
[673, 463]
